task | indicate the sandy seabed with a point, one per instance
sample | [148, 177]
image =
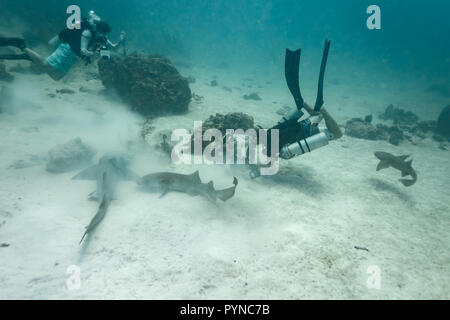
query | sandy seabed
[288, 236]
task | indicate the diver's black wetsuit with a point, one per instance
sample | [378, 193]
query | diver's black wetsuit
[73, 37]
[292, 131]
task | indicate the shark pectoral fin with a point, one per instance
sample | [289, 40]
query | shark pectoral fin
[165, 191]
[404, 173]
[226, 194]
[87, 174]
[382, 165]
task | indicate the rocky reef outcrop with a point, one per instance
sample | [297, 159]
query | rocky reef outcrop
[150, 84]
[363, 129]
[399, 116]
[406, 126]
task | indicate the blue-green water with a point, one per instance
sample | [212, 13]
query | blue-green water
[413, 36]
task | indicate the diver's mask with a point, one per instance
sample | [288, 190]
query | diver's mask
[93, 19]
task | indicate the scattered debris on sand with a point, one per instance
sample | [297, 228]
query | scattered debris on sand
[197, 98]
[65, 91]
[252, 96]
[29, 161]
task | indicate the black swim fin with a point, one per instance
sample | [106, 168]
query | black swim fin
[291, 70]
[14, 57]
[12, 42]
[319, 100]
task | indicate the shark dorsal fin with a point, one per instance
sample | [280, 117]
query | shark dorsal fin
[196, 176]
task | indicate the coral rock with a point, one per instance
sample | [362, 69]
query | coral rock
[399, 116]
[151, 85]
[234, 121]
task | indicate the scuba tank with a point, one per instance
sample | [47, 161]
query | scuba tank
[306, 145]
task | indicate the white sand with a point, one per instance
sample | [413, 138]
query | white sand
[290, 236]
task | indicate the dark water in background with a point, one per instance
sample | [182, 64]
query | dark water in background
[414, 40]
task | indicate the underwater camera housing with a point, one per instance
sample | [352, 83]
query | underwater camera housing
[104, 53]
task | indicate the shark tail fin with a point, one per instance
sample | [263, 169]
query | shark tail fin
[382, 165]
[101, 212]
[227, 194]
[84, 235]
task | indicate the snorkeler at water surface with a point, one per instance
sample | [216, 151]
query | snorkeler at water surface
[300, 137]
[69, 45]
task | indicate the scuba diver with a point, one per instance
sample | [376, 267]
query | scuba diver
[69, 44]
[300, 137]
